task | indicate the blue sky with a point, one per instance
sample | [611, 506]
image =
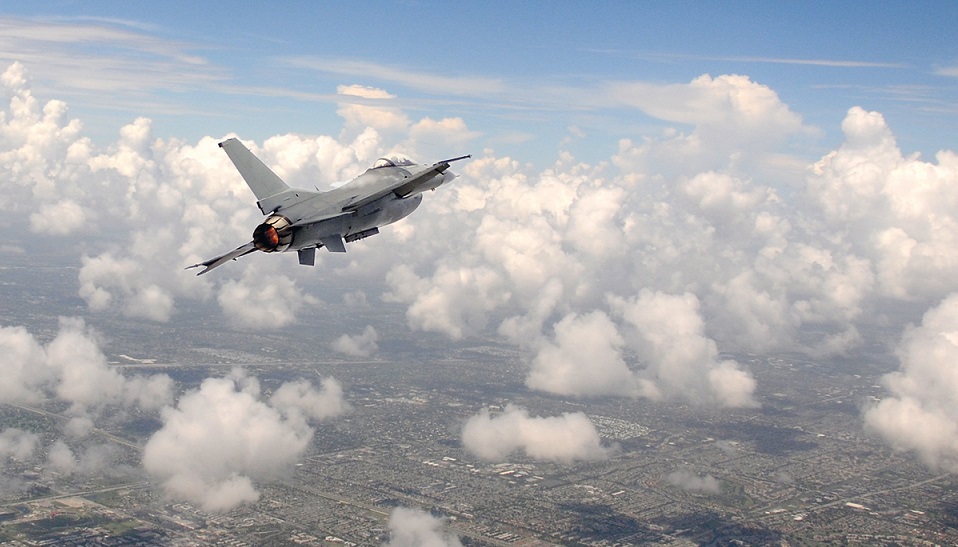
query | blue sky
[519, 74]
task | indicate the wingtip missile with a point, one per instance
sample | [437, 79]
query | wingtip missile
[447, 162]
[441, 166]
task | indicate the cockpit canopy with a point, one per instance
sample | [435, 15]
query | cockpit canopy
[393, 161]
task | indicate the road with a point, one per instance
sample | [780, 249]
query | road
[96, 431]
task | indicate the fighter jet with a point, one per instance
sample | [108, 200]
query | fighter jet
[305, 220]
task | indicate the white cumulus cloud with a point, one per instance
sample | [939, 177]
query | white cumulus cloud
[17, 444]
[360, 345]
[565, 439]
[60, 218]
[222, 437]
[416, 528]
[263, 301]
[301, 396]
[921, 415]
[73, 369]
[691, 482]
[585, 359]
[669, 337]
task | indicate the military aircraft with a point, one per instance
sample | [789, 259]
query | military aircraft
[305, 220]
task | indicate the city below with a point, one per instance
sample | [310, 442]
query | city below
[800, 469]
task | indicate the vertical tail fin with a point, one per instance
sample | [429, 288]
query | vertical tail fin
[261, 180]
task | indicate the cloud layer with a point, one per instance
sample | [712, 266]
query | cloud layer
[631, 277]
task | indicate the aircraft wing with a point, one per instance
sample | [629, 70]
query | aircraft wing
[223, 259]
[405, 187]
[318, 217]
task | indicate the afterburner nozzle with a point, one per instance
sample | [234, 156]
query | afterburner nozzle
[274, 235]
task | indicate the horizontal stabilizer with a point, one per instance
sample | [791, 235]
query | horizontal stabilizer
[280, 200]
[223, 259]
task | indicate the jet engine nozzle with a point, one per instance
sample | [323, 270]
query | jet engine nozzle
[274, 235]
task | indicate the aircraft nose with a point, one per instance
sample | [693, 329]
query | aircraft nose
[448, 176]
